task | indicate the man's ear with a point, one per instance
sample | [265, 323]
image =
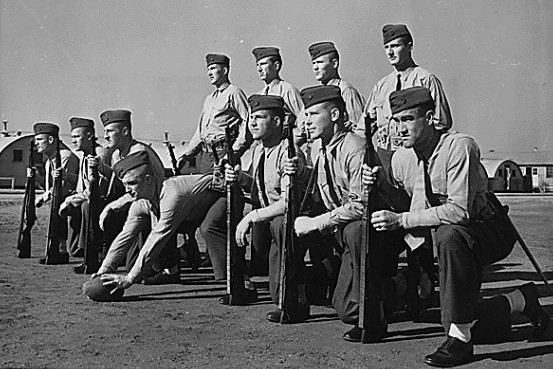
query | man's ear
[335, 63]
[334, 114]
[429, 117]
[278, 65]
[278, 121]
[125, 131]
[50, 139]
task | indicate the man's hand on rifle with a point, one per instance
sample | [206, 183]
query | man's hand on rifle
[386, 220]
[370, 175]
[243, 228]
[40, 200]
[305, 225]
[59, 173]
[30, 172]
[117, 281]
[232, 174]
[64, 208]
[291, 166]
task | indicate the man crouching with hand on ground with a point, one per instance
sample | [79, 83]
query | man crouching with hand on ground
[442, 173]
[161, 205]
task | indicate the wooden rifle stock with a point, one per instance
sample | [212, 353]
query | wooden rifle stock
[171, 148]
[55, 222]
[93, 235]
[28, 211]
[288, 302]
[372, 319]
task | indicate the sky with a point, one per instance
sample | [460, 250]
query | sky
[64, 58]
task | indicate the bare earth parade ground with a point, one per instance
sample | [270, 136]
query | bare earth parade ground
[45, 322]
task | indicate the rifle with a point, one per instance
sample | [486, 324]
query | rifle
[170, 147]
[93, 235]
[234, 279]
[28, 211]
[55, 222]
[372, 319]
[288, 304]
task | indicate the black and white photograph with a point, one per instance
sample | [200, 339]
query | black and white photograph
[276, 184]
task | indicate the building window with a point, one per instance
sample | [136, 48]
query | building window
[17, 155]
[534, 171]
[549, 172]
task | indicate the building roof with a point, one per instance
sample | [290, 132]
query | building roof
[491, 165]
[6, 141]
[533, 158]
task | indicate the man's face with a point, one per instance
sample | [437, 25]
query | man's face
[43, 142]
[113, 134]
[262, 124]
[80, 138]
[139, 186]
[318, 121]
[398, 51]
[216, 73]
[267, 69]
[324, 67]
[414, 127]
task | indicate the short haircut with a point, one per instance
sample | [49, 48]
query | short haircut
[423, 108]
[141, 171]
[274, 59]
[338, 103]
[334, 55]
[405, 39]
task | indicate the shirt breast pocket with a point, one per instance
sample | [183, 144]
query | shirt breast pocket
[439, 185]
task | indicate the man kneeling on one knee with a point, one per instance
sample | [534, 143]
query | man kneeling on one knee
[442, 173]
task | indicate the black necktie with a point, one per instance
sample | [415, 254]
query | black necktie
[260, 180]
[267, 90]
[398, 84]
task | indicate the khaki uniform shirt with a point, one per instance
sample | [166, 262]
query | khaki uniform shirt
[291, 95]
[227, 106]
[275, 182]
[70, 164]
[378, 105]
[83, 183]
[355, 102]
[339, 181]
[457, 178]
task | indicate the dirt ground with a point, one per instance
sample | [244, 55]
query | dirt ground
[45, 322]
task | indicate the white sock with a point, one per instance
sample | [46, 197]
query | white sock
[460, 331]
[516, 300]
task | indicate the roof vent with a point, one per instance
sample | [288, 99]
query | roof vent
[5, 132]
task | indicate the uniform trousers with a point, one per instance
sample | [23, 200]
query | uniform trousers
[346, 294]
[295, 269]
[214, 231]
[462, 252]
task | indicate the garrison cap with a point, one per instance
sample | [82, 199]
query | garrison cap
[77, 122]
[96, 291]
[217, 59]
[47, 128]
[321, 48]
[318, 94]
[392, 31]
[263, 52]
[131, 162]
[116, 116]
[410, 98]
[265, 102]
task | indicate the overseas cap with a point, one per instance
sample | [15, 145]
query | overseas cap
[48, 128]
[263, 52]
[318, 94]
[265, 102]
[321, 48]
[77, 122]
[392, 31]
[410, 98]
[116, 116]
[217, 59]
[131, 162]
